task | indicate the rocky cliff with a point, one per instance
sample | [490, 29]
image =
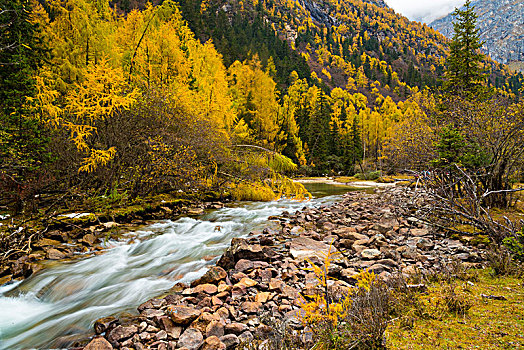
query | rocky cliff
[501, 24]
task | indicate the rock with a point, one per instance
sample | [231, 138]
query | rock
[246, 282]
[195, 211]
[240, 249]
[203, 321]
[46, 242]
[424, 244]
[370, 254]
[169, 326]
[99, 343]
[230, 341]
[206, 288]
[213, 343]
[191, 339]
[302, 248]
[235, 328]
[215, 328]
[419, 232]
[120, 333]
[103, 324]
[250, 307]
[89, 239]
[349, 233]
[161, 335]
[150, 313]
[213, 276]
[182, 315]
[244, 265]
[263, 297]
[110, 225]
[246, 337]
[55, 254]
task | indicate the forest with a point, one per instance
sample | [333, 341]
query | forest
[98, 97]
[272, 174]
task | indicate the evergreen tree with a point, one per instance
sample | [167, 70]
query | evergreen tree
[22, 141]
[463, 65]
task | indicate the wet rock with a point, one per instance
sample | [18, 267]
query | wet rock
[55, 254]
[120, 333]
[103, 324]
[195, 211]
[212, 276]
[150, 313]
[110, 225]
[46, 242]
[191, 339]
[99, 344]
[89, 239]
[240, 249]
[182, 315]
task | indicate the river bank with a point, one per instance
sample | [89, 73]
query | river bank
[31, 243]
[261, 279]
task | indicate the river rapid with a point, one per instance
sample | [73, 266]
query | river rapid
[50, 308]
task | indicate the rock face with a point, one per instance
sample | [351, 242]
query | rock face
[264, 275]
[501, 25]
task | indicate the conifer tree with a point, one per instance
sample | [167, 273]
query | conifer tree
[463, 65]
[22, 142]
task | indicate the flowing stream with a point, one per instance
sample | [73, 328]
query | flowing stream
[49, 308]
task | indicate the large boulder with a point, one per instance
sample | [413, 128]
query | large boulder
[213, 276]
[182, 315]
[303, 247]
[241, 249]
[121, 333]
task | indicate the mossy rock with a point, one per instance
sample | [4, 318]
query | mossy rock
[81, 221]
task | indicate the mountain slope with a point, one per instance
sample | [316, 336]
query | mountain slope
[501, 24]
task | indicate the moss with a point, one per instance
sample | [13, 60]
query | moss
[82, 221]
[480, 239]
[489, 324]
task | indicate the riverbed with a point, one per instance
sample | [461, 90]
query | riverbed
[51, 308]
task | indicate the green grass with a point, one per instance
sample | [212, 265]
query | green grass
[489, 324]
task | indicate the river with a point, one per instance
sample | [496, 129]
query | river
[49, 308]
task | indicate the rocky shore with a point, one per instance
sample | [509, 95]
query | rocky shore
[77, 235]
[263, 277]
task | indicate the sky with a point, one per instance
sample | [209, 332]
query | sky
[424, 10]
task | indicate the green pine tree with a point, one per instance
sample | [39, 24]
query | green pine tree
[463, 65]
[22, 139]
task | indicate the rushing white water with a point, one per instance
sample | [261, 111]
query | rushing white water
[64, 299]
